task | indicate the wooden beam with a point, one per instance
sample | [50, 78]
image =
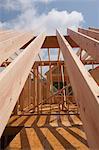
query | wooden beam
[95, 29]
[8, 35]
[63, 80]
[46, 63]
[13, 78]
[50, 73]
[78, 52]
[6, 31]
[87, 43]
[90, 62]
[90, 33]
[8, 47]
[84, 56]
[36, 80]
[58, 54]
[86, 92]
[51, 42]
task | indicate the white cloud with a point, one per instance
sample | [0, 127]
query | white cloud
[29, 19]
[16, 4]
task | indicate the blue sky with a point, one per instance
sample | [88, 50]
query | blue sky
[11, 10]
[39, 15]
[89, 9]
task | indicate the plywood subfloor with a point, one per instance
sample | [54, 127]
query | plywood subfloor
[48, 132]
[53, 109]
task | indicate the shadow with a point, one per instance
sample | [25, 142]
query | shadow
[70, 120]
[67, 145]
[24, 140]
[24, 121]
[42, 138]
[13, 121]
[36, 121]
[8, 135]
[11, 132]
[77, 136]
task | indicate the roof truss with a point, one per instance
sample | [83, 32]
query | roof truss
[13, 78]
[82, 83]
[85, 89]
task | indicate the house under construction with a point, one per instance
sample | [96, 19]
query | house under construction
[53, 109]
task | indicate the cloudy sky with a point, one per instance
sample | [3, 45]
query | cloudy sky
[47, 15]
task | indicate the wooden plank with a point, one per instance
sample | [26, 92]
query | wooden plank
[42, 121]
[8, 47]
[84, 56]
[76, 120]
[15, 144]
[36, 84]
[90, 33]
[86, 92]
[30, 121]
[88, 61]
[79, 132]
[3, 31]
[65, 121]
[8, 35]
[85, 42]
[51, 42]
[19, 121]
[35, 143]
[55, 143]
[46, 63]
[94, 29]
[50, 90]
[63, 81]
[58, 54]
[13, 78]
[53, 121]
[78, 52]
[24, 96]
[12, 119]
[72, 139]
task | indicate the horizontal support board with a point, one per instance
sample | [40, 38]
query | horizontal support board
[47, 63]
[51, 42]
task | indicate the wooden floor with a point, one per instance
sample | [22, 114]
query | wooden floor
[47, 132]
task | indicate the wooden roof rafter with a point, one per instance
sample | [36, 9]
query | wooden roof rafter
[85, 42]
[15, 75]
[94, 29]
[87, 92]
[90, 33]
[82, 83]
[8, 47]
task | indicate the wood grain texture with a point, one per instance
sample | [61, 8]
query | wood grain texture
[8, 35]
[90, 33]
[94, 29]
[86, 92]
[9, 46]
[13, 78]
[85, 42]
